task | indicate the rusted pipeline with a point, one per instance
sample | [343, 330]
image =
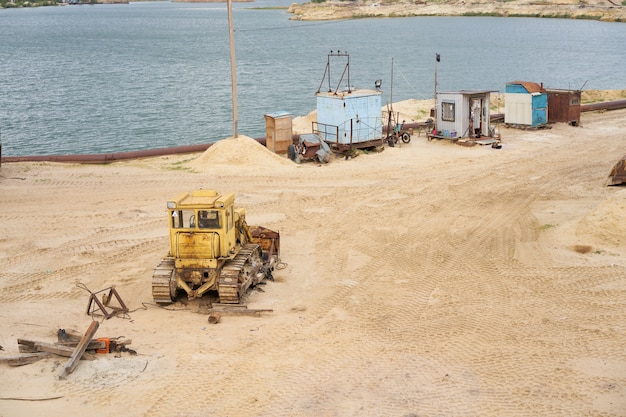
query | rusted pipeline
[102, 158]
[607, 105]
[415, 125]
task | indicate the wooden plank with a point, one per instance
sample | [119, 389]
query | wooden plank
[80, 350]
[27, 349]
[123, 343]
[27, 342]
[241, 312]
[66, 351]
[57, 350]
[26, 359]
[62, 349]
[230, 306]
[93, 345]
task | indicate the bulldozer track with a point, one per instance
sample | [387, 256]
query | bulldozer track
[232, 282]
[162, 281]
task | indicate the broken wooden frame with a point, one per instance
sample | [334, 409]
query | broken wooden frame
[69, 346]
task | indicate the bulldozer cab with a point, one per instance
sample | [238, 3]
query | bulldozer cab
[202, 225]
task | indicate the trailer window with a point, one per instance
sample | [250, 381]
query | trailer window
[447, 112]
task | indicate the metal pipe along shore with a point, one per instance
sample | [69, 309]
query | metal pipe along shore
[103, 158]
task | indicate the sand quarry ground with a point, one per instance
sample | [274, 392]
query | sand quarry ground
[429, 279]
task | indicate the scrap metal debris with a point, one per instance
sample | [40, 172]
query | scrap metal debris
[68, 345]
[104, 307]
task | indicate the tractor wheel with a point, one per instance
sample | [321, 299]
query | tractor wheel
[291, 151]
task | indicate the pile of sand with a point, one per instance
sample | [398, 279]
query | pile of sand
[596, 96]
[242, 151]
[412, 110]
[606, 222]
[304, 124]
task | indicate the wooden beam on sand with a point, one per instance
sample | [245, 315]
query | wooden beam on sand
[237, 310]
[80, 350]
[60, 348]
[25, 359]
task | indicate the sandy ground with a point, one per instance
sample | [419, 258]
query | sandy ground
[429, 279]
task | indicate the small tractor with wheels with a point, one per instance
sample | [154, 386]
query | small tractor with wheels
[395, 132]
[212, 249]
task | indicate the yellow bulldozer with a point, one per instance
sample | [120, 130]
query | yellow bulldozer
[212, 249]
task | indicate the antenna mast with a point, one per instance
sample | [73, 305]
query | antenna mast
[346, 70]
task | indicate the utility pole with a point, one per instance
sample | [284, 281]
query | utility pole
[391, 86]
[437, 59]
[233, 66]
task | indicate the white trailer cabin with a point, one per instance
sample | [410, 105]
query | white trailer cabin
[462, 114]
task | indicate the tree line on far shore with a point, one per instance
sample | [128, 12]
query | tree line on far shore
[5, 4]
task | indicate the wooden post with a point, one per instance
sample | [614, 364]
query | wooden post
[80, 349]
[215, 318]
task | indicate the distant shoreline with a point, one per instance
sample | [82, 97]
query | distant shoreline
[211, 1]
[338, 10]
[24, 4]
